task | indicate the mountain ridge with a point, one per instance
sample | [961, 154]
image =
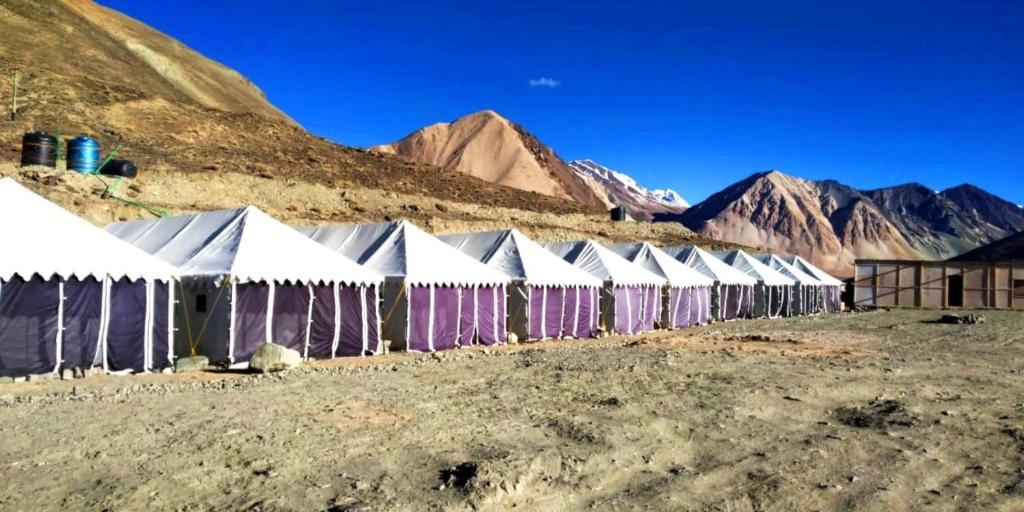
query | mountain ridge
[622, 190]
[489, 146]
[833, 224]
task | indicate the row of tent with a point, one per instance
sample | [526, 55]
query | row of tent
[221, 284]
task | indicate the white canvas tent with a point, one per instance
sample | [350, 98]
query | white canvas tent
[807, 294]
[832, 288]
[549, 298]
[733, 294]
[248, 279]
[630, 301]
[72, 296]
[435, 297]
[687, 292]
[773, 293]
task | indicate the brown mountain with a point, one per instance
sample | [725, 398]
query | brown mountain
[833, 224]
[777, 212]
[492, 148]
[84, 68]
[1010, 248]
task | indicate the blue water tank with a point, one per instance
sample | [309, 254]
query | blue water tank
[83, 154]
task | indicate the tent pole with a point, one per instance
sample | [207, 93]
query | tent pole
[309, 321]
[60, 326]
[231, 321]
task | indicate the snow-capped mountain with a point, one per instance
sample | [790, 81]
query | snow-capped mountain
[641, 203]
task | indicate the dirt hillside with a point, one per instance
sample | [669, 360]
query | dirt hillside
[302, 202]
[86, 69]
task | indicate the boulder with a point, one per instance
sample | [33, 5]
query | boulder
[191, 364]
[274, 358]
[962, 319]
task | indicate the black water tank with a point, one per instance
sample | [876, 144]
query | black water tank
[39, 148]
[618, 214]
[123, 168]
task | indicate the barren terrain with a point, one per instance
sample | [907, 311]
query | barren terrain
[301, 202]
[872, 411]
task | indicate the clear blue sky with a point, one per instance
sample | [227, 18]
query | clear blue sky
[687, 95]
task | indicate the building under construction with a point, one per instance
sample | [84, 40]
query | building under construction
[989, 277]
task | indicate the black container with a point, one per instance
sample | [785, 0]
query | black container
[618, 214]
[123, 168]
[39, 148]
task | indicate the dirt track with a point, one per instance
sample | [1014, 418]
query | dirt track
[877, 411]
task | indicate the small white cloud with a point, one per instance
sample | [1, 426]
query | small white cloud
[544, 82]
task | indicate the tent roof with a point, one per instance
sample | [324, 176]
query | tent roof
[246, 244]
[751, 266]
[655, 260]
[604, 264]
[45, 239]
[403, 250]
[814, 271]
[788, 270]
[520, 258]
[707, 264]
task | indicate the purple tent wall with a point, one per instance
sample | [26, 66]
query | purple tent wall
[83, 303]
[127, 327]
[704, 306]
[468, 324]
[731, 300]
[570, 317]
[680, 309]
[700, 306]
[321, 336]
[636, 298]
[553, 315]
[628, 318]
[835, 299]
[446, 317]
[291, 313]
[747, 305]
[588, 304]
[419, 318]
[350, 341]
[250, 319]
[371, 297]
[536, 309]
[28, 326]
[489, 318]
[159, 355]
[651, 308]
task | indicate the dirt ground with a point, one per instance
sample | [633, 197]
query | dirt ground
[869, 411]
[300, 202]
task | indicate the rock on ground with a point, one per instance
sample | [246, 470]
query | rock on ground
[191, 364]
[274, 358]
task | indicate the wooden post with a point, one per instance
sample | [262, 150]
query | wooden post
[1012, 290]
[874, 284]
[963, 285]
[918, 285]
[945, 287]
[990, 283]
[899, 270]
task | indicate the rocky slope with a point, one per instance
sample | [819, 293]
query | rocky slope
[87, 69]
[488, 146]
[1010, 248]
[832, 224]
[641, 203]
